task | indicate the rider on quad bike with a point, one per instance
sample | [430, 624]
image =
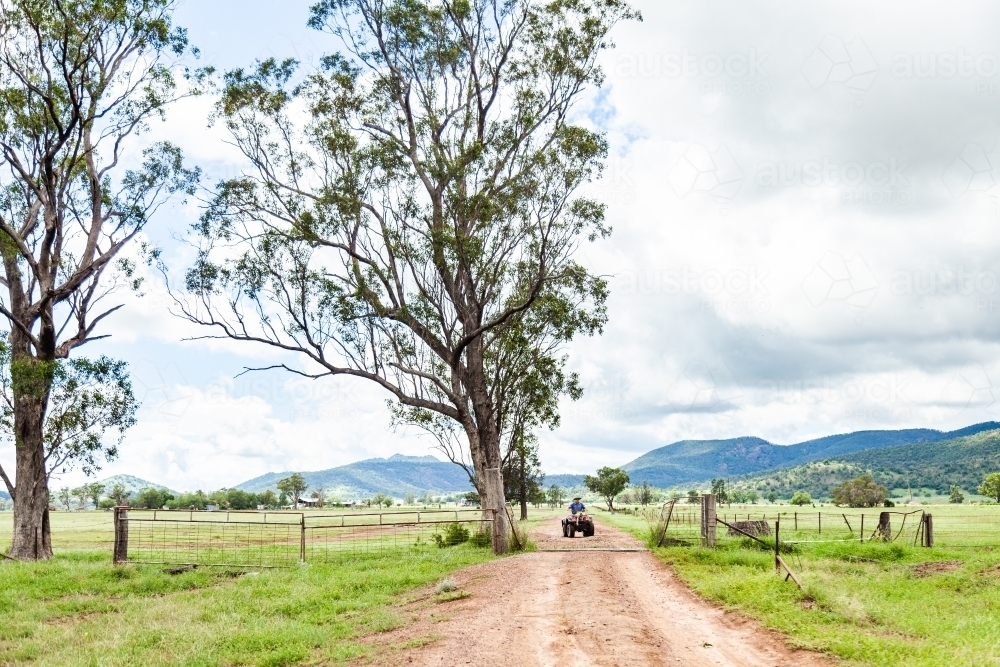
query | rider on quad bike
[578, 520]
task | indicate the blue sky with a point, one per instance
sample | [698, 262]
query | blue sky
[805, 209]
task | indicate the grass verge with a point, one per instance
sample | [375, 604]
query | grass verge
[77, 609]
[868, 604]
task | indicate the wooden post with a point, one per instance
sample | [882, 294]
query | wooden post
[928, 531]
[708, 517]
[302, 538]
[884, 528]
[862, 534]
[777, 542]
[121, 536]
[820, 518]
[796, 522]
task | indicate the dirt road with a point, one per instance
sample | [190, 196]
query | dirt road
[581, 608]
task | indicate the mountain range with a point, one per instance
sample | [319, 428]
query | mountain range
[691, 461]
[924, 467]
[923, 457]
[396, 475]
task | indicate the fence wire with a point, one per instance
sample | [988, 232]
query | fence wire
[265, 540]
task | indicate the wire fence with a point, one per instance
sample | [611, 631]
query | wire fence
[284, 539]
[897, 525]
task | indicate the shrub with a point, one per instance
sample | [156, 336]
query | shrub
[860, 492]
[454, 533]
[801, 498]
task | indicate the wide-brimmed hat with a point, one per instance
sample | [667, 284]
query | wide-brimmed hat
[576, 497]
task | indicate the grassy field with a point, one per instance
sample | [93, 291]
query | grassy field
[77, 609]
[869, 604]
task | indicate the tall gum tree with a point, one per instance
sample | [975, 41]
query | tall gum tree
[78, 80]
[410, 212]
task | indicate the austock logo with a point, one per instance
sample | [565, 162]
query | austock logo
[714, 173]
[834, 62]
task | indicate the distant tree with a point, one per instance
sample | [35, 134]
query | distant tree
[378, 499]
[119, 494]
[991, 486]
[860, 492]
[94, 491]
[608, 483]
[472, 497]
[428, 499]
[719, 491]
[409, 498]
[152, 498]
[522, 471]
[66, 497]
[320, 495]
[693, 497]
[294, 486]
[644, 493]
[752, 496]
[538, 497]
[189, 501]
[772, 497]
[956, 497]
[801, 498]
[80, 494]
[268, 499]
[556, 496]
[282, 499]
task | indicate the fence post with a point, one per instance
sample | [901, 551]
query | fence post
[708, 517]
[777, 542]
[862, 527]
[928, 531]
[796, 521]
[302, 538]
[820, 523]
[121, 536]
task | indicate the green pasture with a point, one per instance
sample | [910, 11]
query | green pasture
[78, 609]
[866, 603]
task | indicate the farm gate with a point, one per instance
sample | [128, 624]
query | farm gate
[284, 539]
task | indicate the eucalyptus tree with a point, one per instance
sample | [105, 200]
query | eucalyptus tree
[412, 200]
[79, 79]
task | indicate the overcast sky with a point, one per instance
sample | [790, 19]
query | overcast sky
[806, 228]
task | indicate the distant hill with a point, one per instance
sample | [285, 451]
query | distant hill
[132, 484]
[396, 475]
[4, 495]
[564, 481]
[962, 461]
[690, 461]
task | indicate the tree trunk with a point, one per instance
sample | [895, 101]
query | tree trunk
[524, 489]
[32, 539]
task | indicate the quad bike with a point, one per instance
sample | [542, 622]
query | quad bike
[581, 522]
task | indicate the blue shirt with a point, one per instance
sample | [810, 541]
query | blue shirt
[576, 507]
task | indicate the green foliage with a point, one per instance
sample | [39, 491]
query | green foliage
[481, 539]
[556, 496]
[956, 497]
[801, 498]
[991, 486]
[152, 498]
[118, 493]
[90, 406]
[719, 491]
[293, 486]
[608, 483]
[860, 492]
[454, 534]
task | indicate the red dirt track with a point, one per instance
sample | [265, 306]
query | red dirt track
[580, 608]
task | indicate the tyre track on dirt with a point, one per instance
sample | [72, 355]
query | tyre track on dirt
[581, 609]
